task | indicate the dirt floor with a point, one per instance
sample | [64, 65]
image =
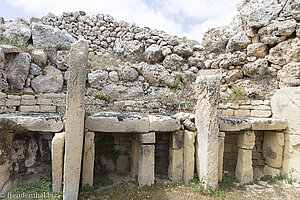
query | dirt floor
[124, 189]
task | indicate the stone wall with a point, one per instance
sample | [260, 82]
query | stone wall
[253, 108]
[231, 153]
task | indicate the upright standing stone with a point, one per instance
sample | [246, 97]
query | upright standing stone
[175, 169]
[146, 165]
[58, 143]
[188, 156]
[221, 155]
[75, 119]
[207, 88]
[5, 153]
[286, 104]
[244, 169]
[88, 159]
[135, 156]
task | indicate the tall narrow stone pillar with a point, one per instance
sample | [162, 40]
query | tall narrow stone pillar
[188, 156]
[207, 88]
[221, 155]
[5, 154]
[74, 128]
[175, 169]
[146, 159]
[88, 159]
[57, 153]
[135, 156]
[244, 169]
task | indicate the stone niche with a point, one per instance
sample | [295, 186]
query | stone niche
[231, 153]
[28, 157]
[116, 155]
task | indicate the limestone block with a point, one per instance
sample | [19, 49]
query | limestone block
[182, 116]
[74, 127]
[114, 122]
[176, 139]
[257, 50]
[244, 169]
[268, 124]
[242, 113]
[164, 123]
[246, 140]
[46, 122]
[175, 169]
[146, 165]
[221, 156]
[147, 138]
[260, 113]
[188, 156]
[285, 104]
[88, 159]
[135, 156]
[291, 155]
[271, 171]
[234, 124]
[5, 153]
[188, 124]
[273, 148]
[57, 152]
[29, 108]
[207, 87]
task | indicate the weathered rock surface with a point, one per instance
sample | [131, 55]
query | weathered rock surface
[285, 104]
[18, 29]
[156, 75]
[129, 49]
[31, 122]
[188, 156]
[97, 78]
[289, 75]
[146, 165]
[45, 36]
[238, 42]
[57, 154]
[88, 159]
[51, 81]
[285, 52]
[273, 148]
[5, 160]
[207, 87]
[246, 140]
[17, 70]
[75, 118]
[153, 54]
[173, 61]
[39, 57]
[117, 122]
[257, 49]
[183, 50]
[10, 49]
[164, 123]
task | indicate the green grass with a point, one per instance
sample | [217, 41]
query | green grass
[44, 185]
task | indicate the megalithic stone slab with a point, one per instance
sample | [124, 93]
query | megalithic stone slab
[5, 151]
[221, 155]
[88, 159]
[207, 88]
[244, 169]
[286, 105]
[146, 165]
[74, 128]
[57, 152]
[135, 156]
[188, 156]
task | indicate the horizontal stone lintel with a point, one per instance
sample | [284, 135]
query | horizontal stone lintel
[22, 122]
[125, 122]
[229, 124]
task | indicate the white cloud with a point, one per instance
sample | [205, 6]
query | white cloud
[209, 13]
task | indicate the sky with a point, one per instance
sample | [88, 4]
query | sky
[189, 18]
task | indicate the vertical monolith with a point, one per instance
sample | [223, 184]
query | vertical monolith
[207, 88]
[88, 159]
[74, 128]
[57, 153]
